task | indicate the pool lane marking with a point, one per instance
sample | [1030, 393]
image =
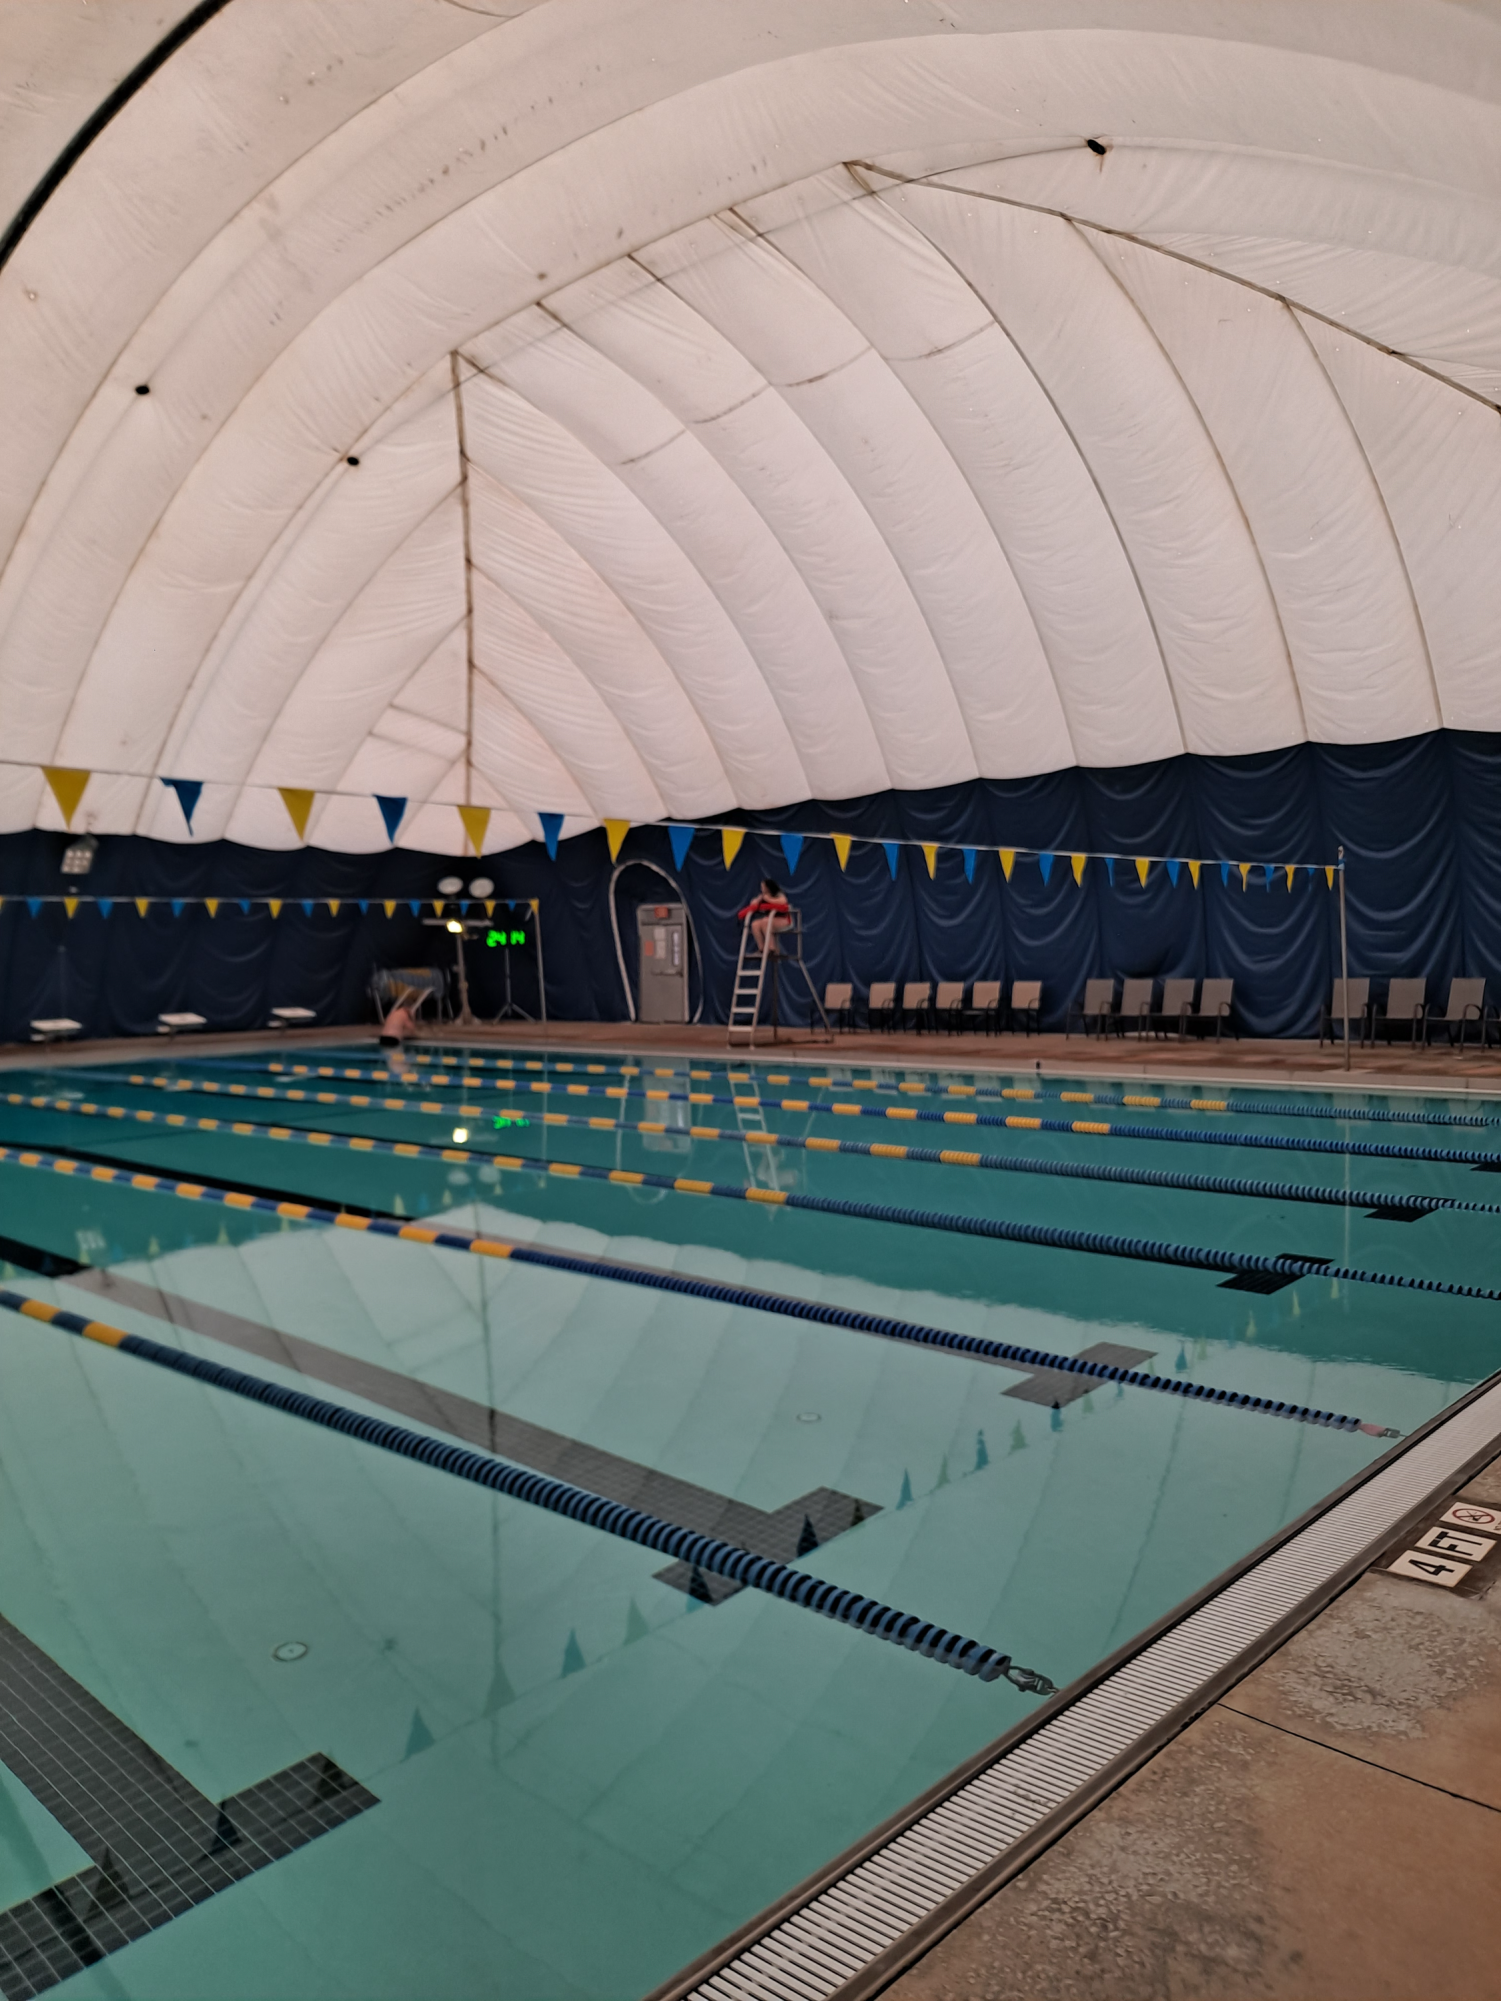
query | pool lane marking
[540, 1490]
[1098, 1128]
[1235, 1108]
[789, 1306]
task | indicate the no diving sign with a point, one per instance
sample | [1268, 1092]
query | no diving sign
[1451, 1550]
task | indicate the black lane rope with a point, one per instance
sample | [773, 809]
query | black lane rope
[739, 1295]
[1067, 1170]
[701, 1552]
[786, 1305]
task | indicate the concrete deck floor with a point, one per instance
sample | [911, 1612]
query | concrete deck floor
[1329, 1831]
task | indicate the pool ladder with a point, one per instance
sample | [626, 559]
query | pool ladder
[750, 979]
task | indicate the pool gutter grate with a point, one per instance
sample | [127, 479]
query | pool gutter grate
[850, 1937]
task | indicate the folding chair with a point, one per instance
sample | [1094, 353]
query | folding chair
[1026, 1002]
[1136, 1006]
[1466, 1007]
[1348, 1000]
[1097, 1006]
[948, 1004]
[881, 1000]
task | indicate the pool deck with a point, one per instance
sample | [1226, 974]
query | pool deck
[1330, 1829]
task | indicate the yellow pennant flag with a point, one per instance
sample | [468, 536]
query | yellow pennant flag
[1245, 874]
[930, 856]
[842, 845]
[1290, 872]
[70, 904]
[476, 821]
[67, 788]
[1329, 876]
[211, 905]
[141, 904]
[299, 804]
[389, 908]
[1008, 862]
[1142, 865]
[273, 904]
[490, 907]
[535, 906]
[333, 906]
[1078, 862]
[615, 833]
[1193, 869]
[437, 910]
[730, 839]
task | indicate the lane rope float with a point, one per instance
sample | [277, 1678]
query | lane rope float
[539, 1490]
[1067, 1170]
[786, 1305]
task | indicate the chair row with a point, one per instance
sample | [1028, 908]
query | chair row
[921, 1004]
[1142, 1012]
[1407, 1014]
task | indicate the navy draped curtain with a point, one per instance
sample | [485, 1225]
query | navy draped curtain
[1420, 821]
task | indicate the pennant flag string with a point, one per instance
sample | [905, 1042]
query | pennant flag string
[476, 821]
[842, 845]
[299, 804]
[792, 847]
[67, 789]
[681, 839]
[615, 833]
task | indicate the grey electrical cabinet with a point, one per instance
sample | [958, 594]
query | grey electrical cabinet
[662, 931]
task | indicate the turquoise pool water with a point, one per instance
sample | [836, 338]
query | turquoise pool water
[584, 1776]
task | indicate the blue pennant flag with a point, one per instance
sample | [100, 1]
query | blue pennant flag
[34, 904]
[1110, 870]
[188, 792]
[891, 851]
[1045, 863]
[178, 905]
[106, 905]
[391, 811]
[1225, 874]
[244, 903]
[364, 904]
[681, 839]
[792, 847]
[415, 908]
[307, 904]
[1172, 873]
[1270, 869]
[552, 827]
[969, 864]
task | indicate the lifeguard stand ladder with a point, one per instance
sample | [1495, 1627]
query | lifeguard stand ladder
[751, 969]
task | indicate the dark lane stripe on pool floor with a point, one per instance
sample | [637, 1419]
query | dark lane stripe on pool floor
[784, 1535]
[158, 1846]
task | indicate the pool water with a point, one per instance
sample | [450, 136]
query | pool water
[582, 1774]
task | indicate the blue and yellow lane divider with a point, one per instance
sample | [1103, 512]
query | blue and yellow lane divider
[702, 1552]
[1014, 1122]
[1065, 1170]
[785, 1305]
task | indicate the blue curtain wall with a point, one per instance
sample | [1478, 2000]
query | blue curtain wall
[1420, 821]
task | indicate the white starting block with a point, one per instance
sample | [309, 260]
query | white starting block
[178, 1024]
[292, 1017]
[56, 1030]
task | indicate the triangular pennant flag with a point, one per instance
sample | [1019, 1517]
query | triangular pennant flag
[363, 903]
[211, 905]
[681, 839]
[1225, 874]
[70, 904]
[389, 907]
[490, 907]
[392, 811]
[67, 789]
[1110, 870]
[189, 791]
[969, 864]
[299, 804]
[333, 905]
[1291, 872]
[104, 906]
[1245, 871]
[464, 906]
[1269, 872]
[1329, 875]
[307, 906]
[1008, 862]
[34, 905]
[244, 902]
[792, 847]
[1193, 870]
[930, 856]
[730, 839]
[891, 852]
[438, 909]
[178, 904]
[142, 903]
[1173, 870]
[1045, 863]
[273, 904]
[842, 845]
[552, 827]
[476, 821]
[415, 908]
[1142, 865]
[615, 833]
[1078, 862]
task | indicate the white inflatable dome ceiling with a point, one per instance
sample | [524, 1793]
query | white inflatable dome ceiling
[643, 408]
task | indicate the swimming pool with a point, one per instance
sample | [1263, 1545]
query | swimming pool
[528, 1756]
